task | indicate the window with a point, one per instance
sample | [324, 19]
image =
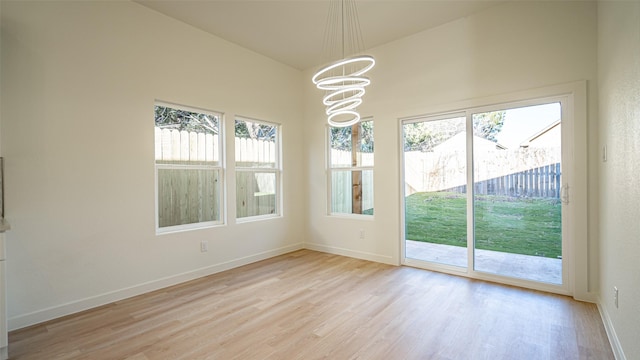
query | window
[257, 148]
[351, 169]
[189, 172]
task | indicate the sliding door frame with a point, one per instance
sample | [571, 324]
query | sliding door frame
[572, 96]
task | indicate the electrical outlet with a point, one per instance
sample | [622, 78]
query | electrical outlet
[615, 296]
[204, 246]
[361, 233]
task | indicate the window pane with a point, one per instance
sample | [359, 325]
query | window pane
[344, 140]
[255, 193]
[255, 144]
[340, 141]
[517, 180]
[188, 196]
[188, 166]
[257, 168]
[186, 136]
[341, 192]
[351, 149]
[367, 192]
[352, 192]
[365, 142]
[435, 175]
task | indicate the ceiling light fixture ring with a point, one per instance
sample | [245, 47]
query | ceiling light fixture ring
[349, 122]
[368, 62]
[348, 93]
[340, 82]
[344, 105]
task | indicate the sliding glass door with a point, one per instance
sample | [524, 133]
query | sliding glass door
[483, 191]
[435, 176]
[516, 192]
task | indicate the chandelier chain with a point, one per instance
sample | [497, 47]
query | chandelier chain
[343, 80]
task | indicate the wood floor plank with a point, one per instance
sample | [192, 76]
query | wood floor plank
[312, 305]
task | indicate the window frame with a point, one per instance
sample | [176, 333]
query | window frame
[276, 170]
[573, 96]
[219, 168]
[332, 169]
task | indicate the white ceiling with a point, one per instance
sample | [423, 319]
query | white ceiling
[291, 31]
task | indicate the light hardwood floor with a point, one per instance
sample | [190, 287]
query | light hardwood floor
[311, 305]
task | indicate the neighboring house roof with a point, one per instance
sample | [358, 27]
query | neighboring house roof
[553, 127]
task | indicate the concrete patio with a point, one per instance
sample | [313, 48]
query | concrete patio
[527, 267]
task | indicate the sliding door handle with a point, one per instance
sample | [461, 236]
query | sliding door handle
[564, 194]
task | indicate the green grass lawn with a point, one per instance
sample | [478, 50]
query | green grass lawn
[519, 226]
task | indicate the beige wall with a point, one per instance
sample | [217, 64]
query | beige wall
[509, 48]
[79, 80]
[78, 85]
[619, 105]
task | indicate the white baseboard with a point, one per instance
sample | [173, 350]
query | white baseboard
[54, 312]
[611, 333]
[351, 253]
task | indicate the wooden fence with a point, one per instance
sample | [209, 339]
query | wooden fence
[541, 182]
[341, 188]
[344, 158]
[341, 181]
[255, 193]
[174, 145]
[186, 194]
[517, 172]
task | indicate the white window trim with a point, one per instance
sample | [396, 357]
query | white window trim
[220, 168]
[330, 170]
[277, 170]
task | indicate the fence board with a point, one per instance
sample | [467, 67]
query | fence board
[187, 196]
[539, 182]
[255, 194]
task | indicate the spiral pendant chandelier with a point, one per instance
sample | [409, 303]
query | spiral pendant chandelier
[343, 80]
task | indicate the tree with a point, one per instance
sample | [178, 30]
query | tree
[183, 120]
[417, 137]
[254, 130]
[340, 137]
[488, 125]
[366, 136]
[424, 136]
